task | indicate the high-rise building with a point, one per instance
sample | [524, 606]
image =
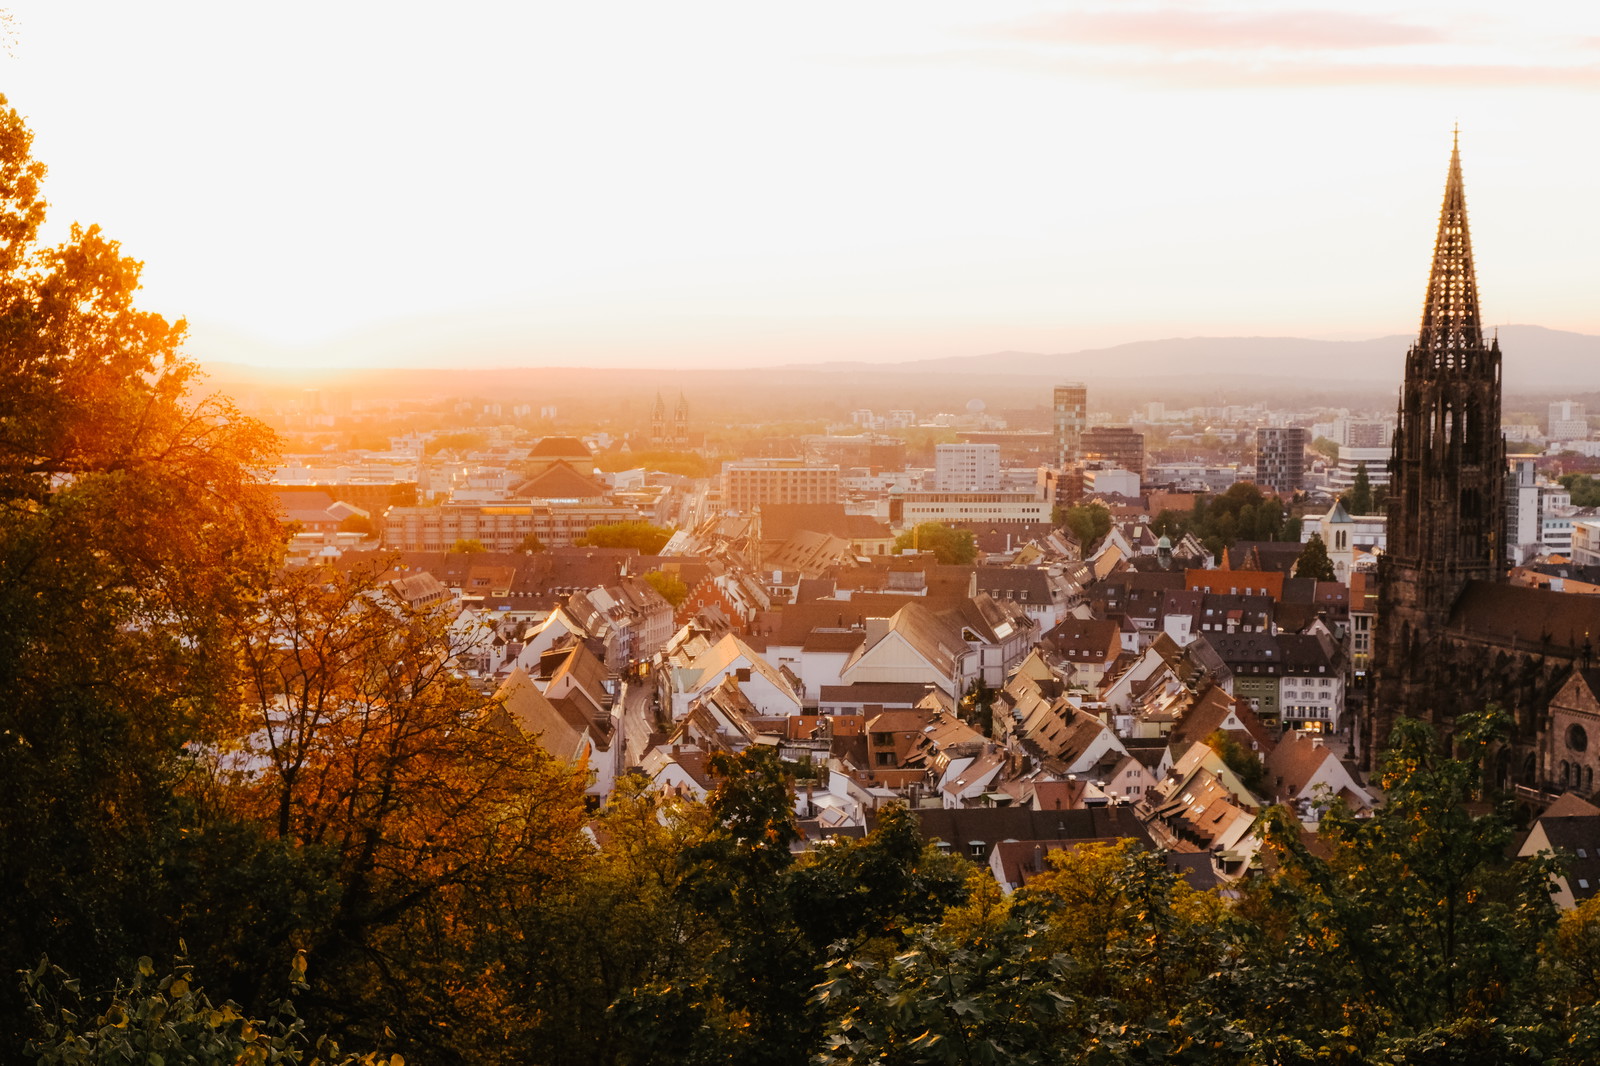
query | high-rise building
[966, 467]
[1281, 459]
[1447, 496]
[1071, 418]
[1118, 445]
[1568, 421]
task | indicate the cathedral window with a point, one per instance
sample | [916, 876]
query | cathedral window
[1577, 739]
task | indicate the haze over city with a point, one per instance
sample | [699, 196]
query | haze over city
[725, 184]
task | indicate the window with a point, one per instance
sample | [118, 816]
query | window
[1577, 739]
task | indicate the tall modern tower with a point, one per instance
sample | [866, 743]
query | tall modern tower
[1447, 480]
[1071, 418]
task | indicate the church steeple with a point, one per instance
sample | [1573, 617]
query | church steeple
[1450, 321]
[1446, 510]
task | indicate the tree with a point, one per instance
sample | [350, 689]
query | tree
[670, 586]
[464, 546]
[949, 546]
[875, 887]
[1328, 448]
[977, 707]
[1241, 760]
[1358, 500]
[756, 981]
[1411, 926]
[433, 809]
[600, 951]
[460, 443]
[644, 537]
[531, 543]
[152, 1018]
[357, 523]
[133, 535]
[1313, 561]
[1087, 522]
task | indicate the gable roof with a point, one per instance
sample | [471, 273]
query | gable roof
[560, 481]
[925, 633]
[562, 729]
[559, 448]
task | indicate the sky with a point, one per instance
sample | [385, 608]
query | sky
[701, 183]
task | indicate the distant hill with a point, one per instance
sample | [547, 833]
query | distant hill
[1536, 359]
[1178, 371]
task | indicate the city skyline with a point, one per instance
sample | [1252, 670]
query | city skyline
[720, 185]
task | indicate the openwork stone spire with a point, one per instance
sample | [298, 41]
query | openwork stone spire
[1450, 322]
[1446, 509]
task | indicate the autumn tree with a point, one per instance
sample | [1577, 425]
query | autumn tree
[437, 814]
[133, 537]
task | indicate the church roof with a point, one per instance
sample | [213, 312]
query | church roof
[1531, 618]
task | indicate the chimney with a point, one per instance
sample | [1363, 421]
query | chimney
[876, 628]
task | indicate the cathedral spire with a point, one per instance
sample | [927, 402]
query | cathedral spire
[1450, 320]
[1447, 483]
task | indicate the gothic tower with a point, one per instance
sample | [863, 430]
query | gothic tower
[658, 420]
[1446, 510]
[680, 421]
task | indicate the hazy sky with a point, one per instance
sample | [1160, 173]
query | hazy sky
[702, 183]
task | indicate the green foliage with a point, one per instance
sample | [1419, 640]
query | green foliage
[948, 999]
[357, 523]
[1088, 522]
[1241, 760]
[670, 586]
[531, 543]
[977, 707]
[1243, 512]
[465, 546]
[456, 443]
[1313, 561]
[646, 537]
[1414, 926]
[684, 464]
[156, 1019]
[956, 547]
[1328, 448]
[875, 887]
[1584, 489]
